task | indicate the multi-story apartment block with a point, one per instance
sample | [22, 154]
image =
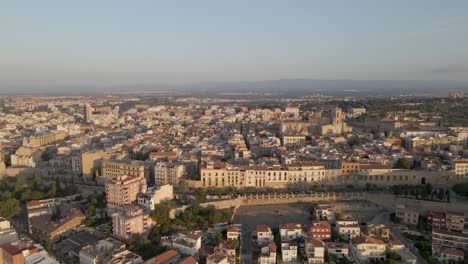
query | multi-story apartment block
[455, 221]
[407, 213]
[461, 167]
[168, 173]
[435, 220]
[348, 229]
[26, 157]
[124, 190]
[7, 232]
[112, 168]
[320, 230]
[448, 239]
[44, 139]
[136, 221]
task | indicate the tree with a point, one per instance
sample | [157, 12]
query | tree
[219, 238]
[9, 208]
[200, 194]
[160, 214]
[53, 190]
[403, 163]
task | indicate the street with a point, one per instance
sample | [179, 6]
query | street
[246, 245]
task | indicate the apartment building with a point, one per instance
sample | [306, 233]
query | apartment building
[461, 167]
[44, 139]
[320, 230]
[455, 221]
[435, 220]
[348, 229]
[233, 233]
[448, 239]
[168, 173]
[124, 190]
[91, 162]
[323, 212]
[26, 157]
[113, 168]
[339, 249]
[380, 231]
[407, 213]
[136, 221]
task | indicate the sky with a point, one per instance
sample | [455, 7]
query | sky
[113, 42]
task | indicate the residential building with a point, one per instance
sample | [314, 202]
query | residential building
[407, 213]
[268, 254]
[320, 230]
[289, 251]
[7, 232]
[455, 221]
[339, 249]
[264, 235]
[40, 258]
[132, 168]
[378, 231]
[136, 221]
[233, 233]
[314, 251]
[188, 260]
[323, 212]
[58, 223]
[124, 190]
[367, 248]
[290, 231]
[16, 253]
[348, 229]
[91, 162]
[450, 255]
[217, 258]
[435, 220]
[156, 195]
[168, 173]
[104, 249]
[187, 243]
[167, 257]
[88, 113]
[448, 239]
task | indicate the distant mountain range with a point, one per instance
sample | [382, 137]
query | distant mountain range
[282, 87]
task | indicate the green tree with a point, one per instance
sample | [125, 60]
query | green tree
[53, 190]
[9, 208]
[200, 195]
[403, 163]
[219, 238]
[160, 214]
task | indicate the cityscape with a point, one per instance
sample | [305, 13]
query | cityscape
[234, 133]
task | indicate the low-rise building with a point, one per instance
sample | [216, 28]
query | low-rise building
[323, 212]
[378, 231]
[314, 251]
[268, 254]
[104, 249]
[339, 249]
[407, 213]
[155, 195]
[367, 248]
[187, 243]
[450, 255]
[7, 232]
[264, 234]
[217, 258]
[233, 233]
[167, 257]
[50, 226]
[348, 229]
[320, 230]
[290, 231]
[289, 251]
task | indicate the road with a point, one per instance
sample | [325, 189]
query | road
[246, 245]
[384, 218]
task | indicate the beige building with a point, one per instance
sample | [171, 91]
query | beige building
[124, 190]
[112, 168]
[136, 221]
[44, 139]
[168, 173]
[264, 235]
[368, 248]
[461, 168]
[26, 157]
[91, 162]
[455, 221]
[348, 229]
[407, 213]
[156, 195]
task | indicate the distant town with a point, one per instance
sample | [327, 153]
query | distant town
[234, 178]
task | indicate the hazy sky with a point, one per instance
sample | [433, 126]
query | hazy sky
[124, 42]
